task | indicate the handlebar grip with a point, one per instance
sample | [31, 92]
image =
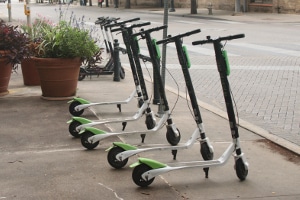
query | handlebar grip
[122, 22]
[190, 33]
[209, 40]
[130, 27]
[162, 41]
[201, 42]
[150, 30]
[170, 39]
[232, 37]
[140, 25]
[115, 30]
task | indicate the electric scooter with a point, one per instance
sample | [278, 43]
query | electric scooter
[94, 66]
[145, 170]
[91, 136]
[78, 123]
[119, 152]
[77, 105]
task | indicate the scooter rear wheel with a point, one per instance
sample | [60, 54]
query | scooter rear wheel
[241, 169]
[172, 138]
[82, 74]
[137, 175]
[72, 129]
[85, 142]
[72, 109]
[205, 152]
[113, 161]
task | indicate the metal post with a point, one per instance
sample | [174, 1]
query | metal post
[172, 9]
[28, 14]
[164, 53]
[9, 10]
[106, 3]
[117, 63]
[237, 6]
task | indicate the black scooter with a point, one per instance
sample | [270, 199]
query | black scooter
[145, 170]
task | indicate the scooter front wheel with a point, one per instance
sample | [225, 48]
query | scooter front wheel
[72, 129]
[113, 161]
[172, 138]
[82, 74]
[85, 142]
[137, 175]
[150, 123]
[72, 109]
[205, 152]
[241, 169]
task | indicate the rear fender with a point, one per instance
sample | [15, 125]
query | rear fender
[122, 145]
[81, 120]
[151, 163]
[80, 100]
[93, 130]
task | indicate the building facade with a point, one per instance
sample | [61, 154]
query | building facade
[270, 6]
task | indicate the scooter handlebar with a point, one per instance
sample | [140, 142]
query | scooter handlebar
[131, 26]
[171, 39]
[149, 30]
[209, 40]
[232, 37]
[106, 20]
[122, 22]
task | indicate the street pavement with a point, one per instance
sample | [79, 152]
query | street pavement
[40, 160]
[264, 86]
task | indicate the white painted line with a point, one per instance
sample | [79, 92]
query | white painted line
[200, 50]
[227, 22]
[267, 48]
[188, 22]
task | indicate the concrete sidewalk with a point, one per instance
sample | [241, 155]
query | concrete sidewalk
[40, 160]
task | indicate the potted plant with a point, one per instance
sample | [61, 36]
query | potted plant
[13, 48]
[34, 31]
[62, 49]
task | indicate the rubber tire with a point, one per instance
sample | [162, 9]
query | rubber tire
[205, 152]
[72, 129]
[137, 175]
[171, 138]
[150, 123]
[72, 109]
[140, 103]
[112, 160]
[85, 142]
[81, 76]
[240, 169]
[122, 73]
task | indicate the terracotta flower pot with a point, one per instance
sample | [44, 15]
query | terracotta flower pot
[30, 73]
[58, 76]
[5, 73]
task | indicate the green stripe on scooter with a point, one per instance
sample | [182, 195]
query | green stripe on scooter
[152, 163]
[82, 120]
[224, 53]
[187, 56]
[82, 101]
[95, 131]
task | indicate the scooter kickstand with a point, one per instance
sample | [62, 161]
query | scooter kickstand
[174, 153]
[124, 125]
[206, 171]
[119, 106]
[143, 137]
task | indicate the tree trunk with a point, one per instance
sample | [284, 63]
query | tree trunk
[127, 4]
[194, 6]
